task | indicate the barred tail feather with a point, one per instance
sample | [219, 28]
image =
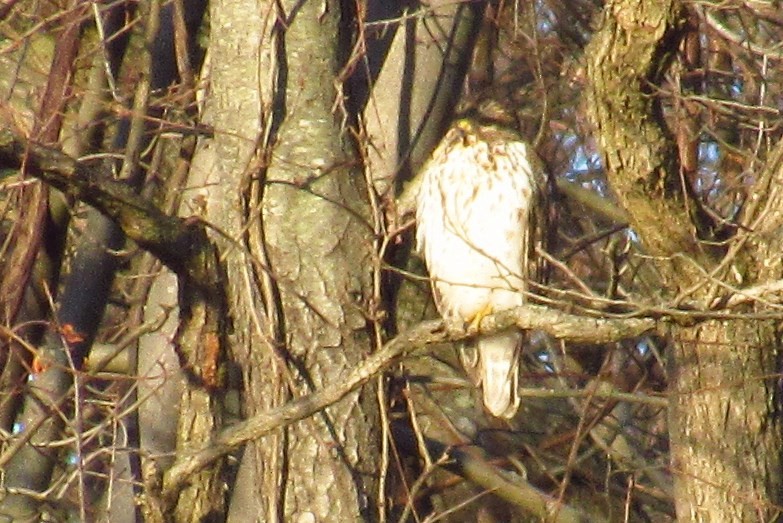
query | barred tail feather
[498, 358]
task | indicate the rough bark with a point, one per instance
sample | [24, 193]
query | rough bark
[236, 72]
[281, 180]
[634, 41]
[725, 424]
[320, 249]
[725, 440]
[724, 429]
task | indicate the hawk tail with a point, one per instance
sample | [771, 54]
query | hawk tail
[496, 368]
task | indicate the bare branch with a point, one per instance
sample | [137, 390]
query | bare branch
[723, 29]
[755, 293]
[558, 324]
[171, 239]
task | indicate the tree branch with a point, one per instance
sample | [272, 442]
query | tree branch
[171, 239]
[181, 244]
[558, 324]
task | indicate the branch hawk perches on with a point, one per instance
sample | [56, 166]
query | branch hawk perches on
[479, 219]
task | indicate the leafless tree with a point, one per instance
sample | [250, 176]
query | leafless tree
[210, 305]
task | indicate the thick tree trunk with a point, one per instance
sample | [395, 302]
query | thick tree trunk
[725, 425]
[241, 50]
[282, 180]
[320, 252]
[725, 433]
[725, 441]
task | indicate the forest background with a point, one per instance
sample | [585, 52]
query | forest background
[211, 311]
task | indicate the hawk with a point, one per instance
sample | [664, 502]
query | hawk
[479, 217]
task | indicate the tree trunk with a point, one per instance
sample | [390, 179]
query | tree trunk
[725, 440]
[316, 222]
[282, 180]
[725, 434]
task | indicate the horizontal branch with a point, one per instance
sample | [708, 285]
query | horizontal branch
[768, 292]
[558, 324]
[565, 326]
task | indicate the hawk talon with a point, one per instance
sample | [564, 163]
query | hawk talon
[474, 326]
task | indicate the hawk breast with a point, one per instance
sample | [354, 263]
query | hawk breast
[475, 228]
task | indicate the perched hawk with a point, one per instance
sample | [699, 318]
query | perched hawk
[479, 219]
